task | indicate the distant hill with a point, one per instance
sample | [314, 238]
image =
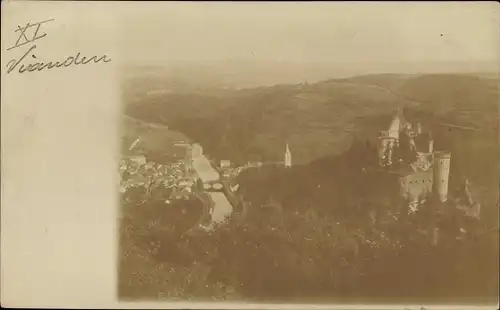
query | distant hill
[154, 139]
[469, 98]
[239, 74]
[321, 119]
[314, 117]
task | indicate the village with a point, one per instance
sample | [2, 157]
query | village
[191, 177]
[406, 158]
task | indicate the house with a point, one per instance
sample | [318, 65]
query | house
[225, 163]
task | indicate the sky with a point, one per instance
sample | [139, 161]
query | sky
[270, 42]
[342, 32]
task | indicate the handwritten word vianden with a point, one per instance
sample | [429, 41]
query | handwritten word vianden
[22, 67]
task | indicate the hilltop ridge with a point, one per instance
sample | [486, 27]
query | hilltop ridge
[320, 116]
[326, 225]
[321, 119]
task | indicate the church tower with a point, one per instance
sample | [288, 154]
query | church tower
[288, 157]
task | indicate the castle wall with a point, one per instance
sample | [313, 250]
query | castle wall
[416, 184]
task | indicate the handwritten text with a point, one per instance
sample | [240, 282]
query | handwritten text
[22, 64]
[39, 66]
[23, 35]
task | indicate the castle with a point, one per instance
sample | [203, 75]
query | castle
[407, 152]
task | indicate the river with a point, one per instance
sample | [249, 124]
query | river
[222, 208]
[207, 173]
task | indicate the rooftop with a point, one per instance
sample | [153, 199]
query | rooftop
[403, 171]
[442, 154]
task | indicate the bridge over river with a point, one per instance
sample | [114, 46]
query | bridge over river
[214, 187]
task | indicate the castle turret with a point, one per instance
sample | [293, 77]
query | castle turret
[419, 128]
[411, 143]
[434, 236]
[385, 142]
[288, 157]
[394, 127]
[441, 173]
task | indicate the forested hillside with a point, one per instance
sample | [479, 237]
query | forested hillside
[309, 232]
[321, 119]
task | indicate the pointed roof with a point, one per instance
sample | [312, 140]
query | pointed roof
[288, 156]
[398, 121]
[395, 124]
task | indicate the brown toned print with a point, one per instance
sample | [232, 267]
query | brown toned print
[295, 155]
[325, 160]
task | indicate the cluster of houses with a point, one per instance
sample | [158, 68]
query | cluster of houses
[138, 173]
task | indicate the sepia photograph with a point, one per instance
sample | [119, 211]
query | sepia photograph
[310, 153]
[250, 155]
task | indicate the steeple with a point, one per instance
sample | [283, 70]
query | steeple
[288, 156]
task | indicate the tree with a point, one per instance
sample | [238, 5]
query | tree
[406, 152]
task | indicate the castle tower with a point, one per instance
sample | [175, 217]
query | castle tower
[441, 171]
[288, 157]
[419, 128]
[411, 142]
[385, 141]
[394, 127]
